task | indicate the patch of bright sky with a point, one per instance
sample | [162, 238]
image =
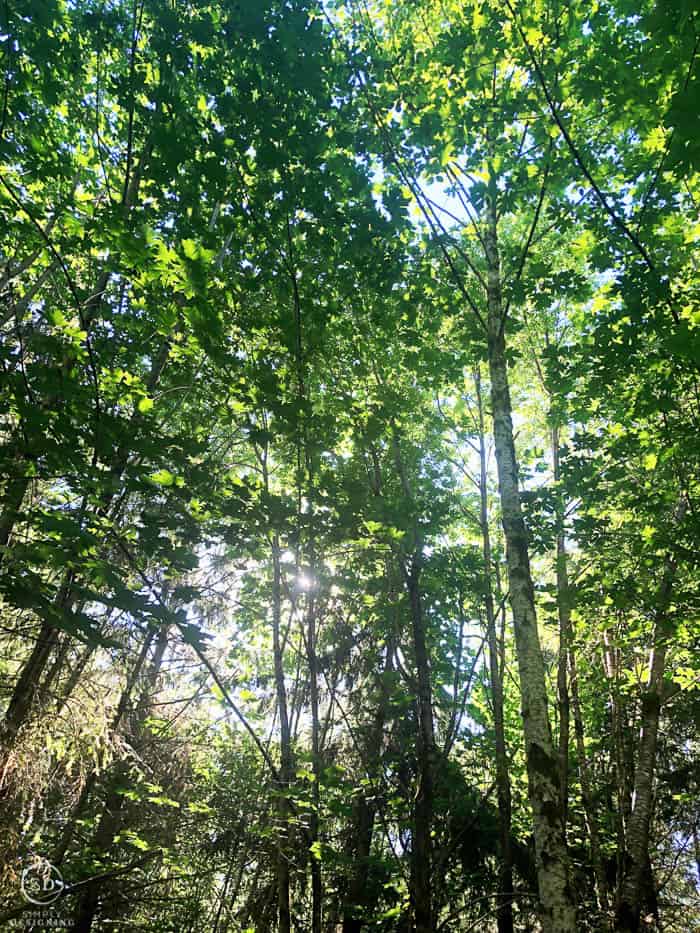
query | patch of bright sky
[447, 205]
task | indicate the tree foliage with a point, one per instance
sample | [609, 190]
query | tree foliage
[349, 466]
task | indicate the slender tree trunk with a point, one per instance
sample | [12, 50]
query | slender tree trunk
[112, 812]
[316, 878]
[360, 843]
[564, 614]
[286, 764]
[120, 712]
[423, 808]
[584, 774]
[74, 677]
[637, 841]
[504, 906]
[360, 847]
[424, 801]
[567, 690]
[558, 914]
[611, 668]
[27, 688]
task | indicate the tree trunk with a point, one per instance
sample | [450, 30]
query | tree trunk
[564, 614]
[422, 847]
[422, 853]
[587, 791]
[611, 668]
[285, 770]
[355, 899]
[27, 686]
[557, 913]
[74, 677]
[360, 843]
[15, 491]
[112, 812]
[122, 706]
[316, 878]
[568, 696]
[637, 838]
[504, 906]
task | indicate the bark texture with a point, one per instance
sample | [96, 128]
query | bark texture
[557, 913]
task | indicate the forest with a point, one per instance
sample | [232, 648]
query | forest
[350, 466]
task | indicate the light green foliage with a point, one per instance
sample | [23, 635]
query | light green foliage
[243, 289]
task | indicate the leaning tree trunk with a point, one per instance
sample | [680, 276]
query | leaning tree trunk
[112, 813]
[15, 492]
[28, 685]
[92, 778]
[557, 910]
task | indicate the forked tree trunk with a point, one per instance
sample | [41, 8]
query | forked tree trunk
[557, 910]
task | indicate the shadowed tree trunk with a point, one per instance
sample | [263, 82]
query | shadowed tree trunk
[28, 685]
[422, 846]
[636, 874]
[112, 812]
[586, 783]
[364, 813]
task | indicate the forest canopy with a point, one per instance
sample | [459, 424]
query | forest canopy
[349, 466]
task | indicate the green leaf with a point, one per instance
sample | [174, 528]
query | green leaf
[162, 478]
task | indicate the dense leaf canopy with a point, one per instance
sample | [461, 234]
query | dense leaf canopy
[349, 466]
